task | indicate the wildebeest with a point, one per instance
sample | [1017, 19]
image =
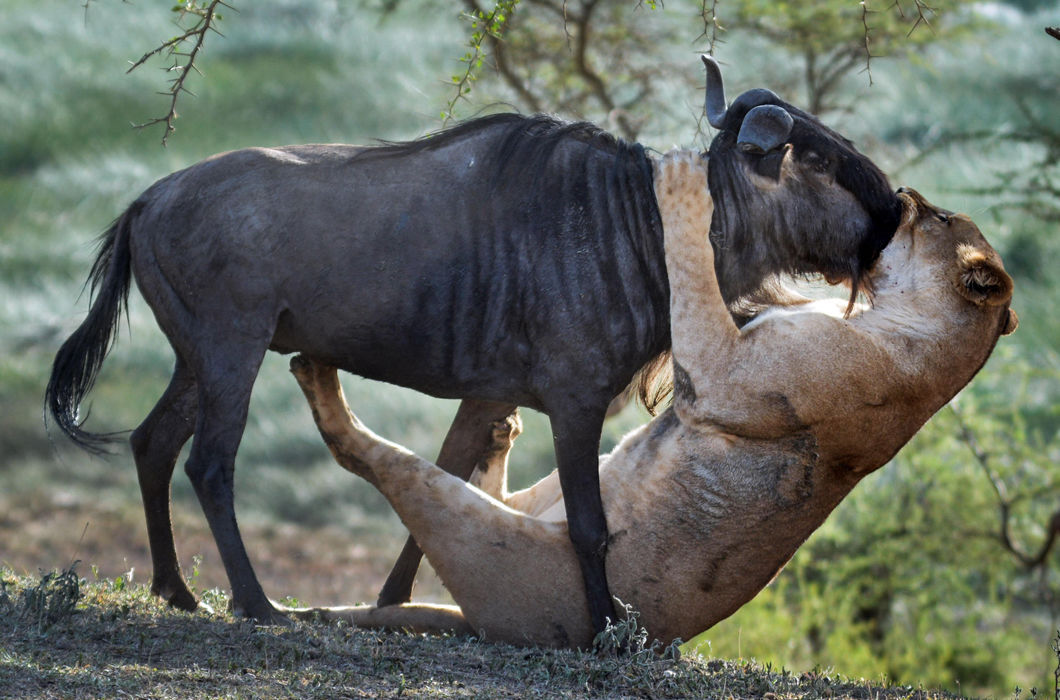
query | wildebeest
[775, 424]
[509, 259]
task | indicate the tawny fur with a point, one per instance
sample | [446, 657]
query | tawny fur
[771, 426]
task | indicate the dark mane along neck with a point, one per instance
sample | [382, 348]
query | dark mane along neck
[598, 189]
[574, 187]
[538, 127]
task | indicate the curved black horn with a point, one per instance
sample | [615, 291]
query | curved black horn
[764, 128]
[715, 102]
[754, 97]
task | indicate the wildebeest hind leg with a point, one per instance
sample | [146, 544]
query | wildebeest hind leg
[465, 445]
[225, 382]
[156, 445]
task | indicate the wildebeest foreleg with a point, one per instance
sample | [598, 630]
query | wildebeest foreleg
[576, 435]
[468, 438]
[156, 444]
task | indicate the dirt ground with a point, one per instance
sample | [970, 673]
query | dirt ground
[315, 566]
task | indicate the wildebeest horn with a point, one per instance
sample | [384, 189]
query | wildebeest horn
[715, 102]
[764, 128]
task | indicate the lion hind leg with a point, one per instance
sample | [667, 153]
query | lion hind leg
[413, 617]
[515, 577]
[349, 440]
[491, 471]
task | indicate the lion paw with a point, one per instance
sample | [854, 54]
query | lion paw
[681, 171]
[505, 431]
[682, 195]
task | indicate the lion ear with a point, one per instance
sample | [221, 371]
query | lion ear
[1012, 323]
[982, 279]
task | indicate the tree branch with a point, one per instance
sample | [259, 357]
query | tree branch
[487, 27]
[866, 35]
[1004, 501]
[583, 24]
[711, 25]
[197, 34]
[513, 80]
[921, 17]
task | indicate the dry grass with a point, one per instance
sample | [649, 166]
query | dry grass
[64, 637]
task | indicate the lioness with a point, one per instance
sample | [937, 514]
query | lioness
[772, 425]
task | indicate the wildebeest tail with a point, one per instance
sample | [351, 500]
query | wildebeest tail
[80, 358]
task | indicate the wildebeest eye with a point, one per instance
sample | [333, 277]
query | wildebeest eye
[943, 217]
[821, 164]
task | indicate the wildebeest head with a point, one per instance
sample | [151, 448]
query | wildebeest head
[790, 194]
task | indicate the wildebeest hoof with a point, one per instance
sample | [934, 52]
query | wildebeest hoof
[181, 598]
[271, 615]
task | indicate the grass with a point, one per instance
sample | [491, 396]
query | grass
[62, 636]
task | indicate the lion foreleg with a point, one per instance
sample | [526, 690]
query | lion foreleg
[751, 383]
[701, 327]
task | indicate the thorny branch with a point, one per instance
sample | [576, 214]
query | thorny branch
[207, 18]
[921, 18]
[922, 11]
[1005, 502]
[711, 25]
[867, 32]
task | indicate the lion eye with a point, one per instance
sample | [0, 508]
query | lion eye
[944, 218]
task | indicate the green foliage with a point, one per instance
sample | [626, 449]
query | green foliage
[593, 60]
[484, 25]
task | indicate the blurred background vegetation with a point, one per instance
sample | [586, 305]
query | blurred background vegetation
[939, 569]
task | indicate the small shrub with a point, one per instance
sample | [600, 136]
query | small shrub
[624, 652]
[626, 638]
[45, 604]
[7, 605]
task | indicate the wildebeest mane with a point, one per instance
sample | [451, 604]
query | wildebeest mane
[524, 145]
[577, 179]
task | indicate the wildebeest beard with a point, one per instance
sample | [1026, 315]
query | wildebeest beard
[813, 205]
